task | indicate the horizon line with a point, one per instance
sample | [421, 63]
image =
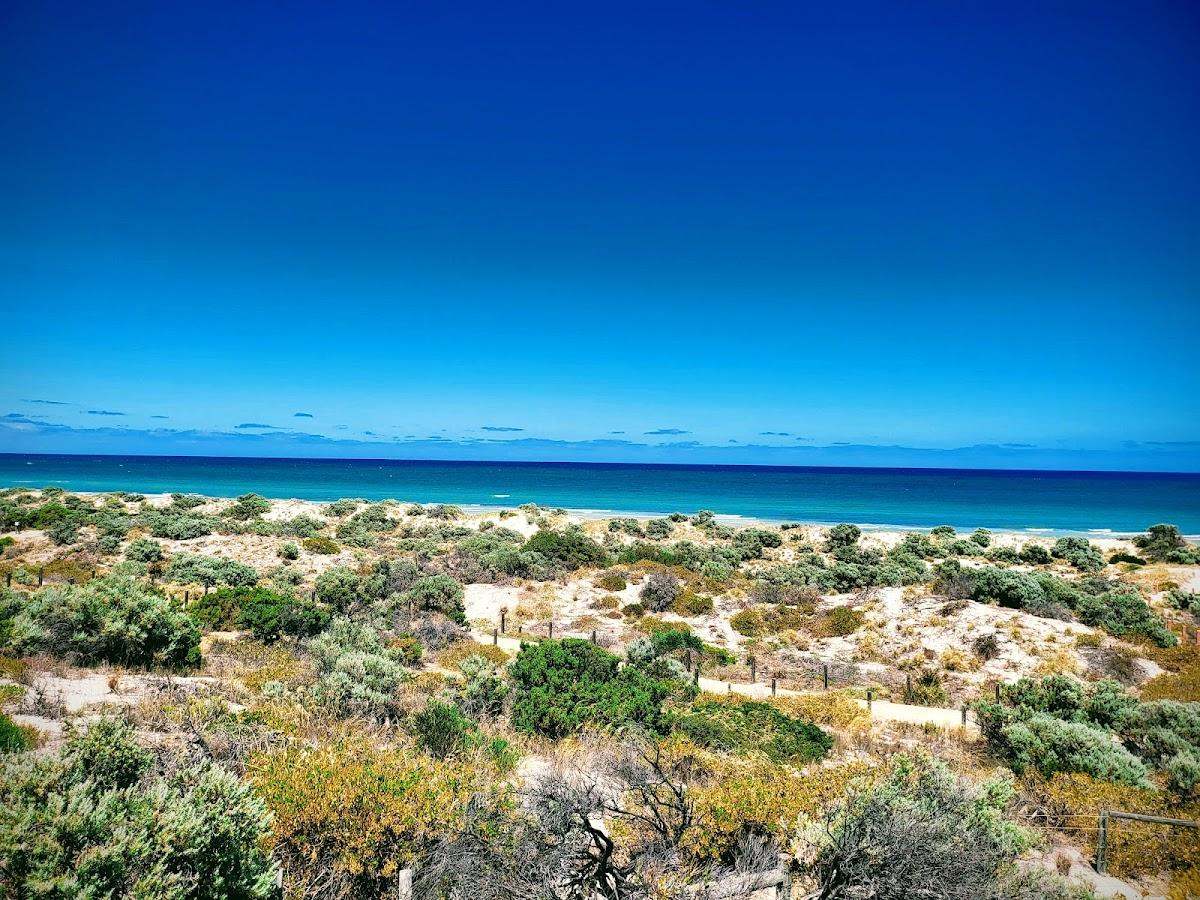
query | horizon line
[602, 464]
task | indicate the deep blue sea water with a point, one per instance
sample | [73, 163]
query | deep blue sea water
[918, 498]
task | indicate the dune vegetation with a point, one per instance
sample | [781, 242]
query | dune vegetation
[250, 698]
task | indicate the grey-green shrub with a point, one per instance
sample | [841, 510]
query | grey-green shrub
[113, 619]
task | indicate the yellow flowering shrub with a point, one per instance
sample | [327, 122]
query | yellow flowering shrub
[453, 656]
[761, 796]
[1181, 681]
[1073, 802]
[356, 813]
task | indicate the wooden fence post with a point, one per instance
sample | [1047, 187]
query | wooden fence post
[964, 715]
[551, 629]
[753, 670]
[869, 693]
[1102, 844]
[503, 613]
[495, 637]
[908, 687]
[825, 675]
[41, 575]
[772, 687]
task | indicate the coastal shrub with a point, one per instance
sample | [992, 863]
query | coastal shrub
[628, 526]
[217, 609]
[1035, 555]
[439, 593]
[97, 822]
[611, 581]
[63, 532]
[633, 610]
[356, 674]
[444, 511]
[660, 529]
[982, 537]
[748, 622]
[248, 506]
[843, 535]
[919, 825]
[842, 621]
[1122, 613]
[267, 614]
[348, 816]
[144, 550]
[441, 729]
[749, 726]
[659, 591]
[196, 568]
[689, 603]
[340, 508]
[344, 590]
[561, 685]
[320, 545]
[1051, 745]
[483, 691]
[176, 526]
[571, 548]
[1164, 543]
[13, 738]
[112, 619]
[289, 552]
[1079, 552]
[185, 502]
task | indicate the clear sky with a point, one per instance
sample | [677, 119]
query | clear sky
[893, 233]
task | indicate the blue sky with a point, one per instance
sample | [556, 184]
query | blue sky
[777, 232]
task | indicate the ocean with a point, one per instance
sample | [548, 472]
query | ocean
[1049, 502]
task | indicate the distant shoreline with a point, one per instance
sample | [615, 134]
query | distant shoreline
[1029, 503]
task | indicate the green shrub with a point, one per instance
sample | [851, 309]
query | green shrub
[196, 568]
[441, 729]
[356, 673]
[611, 581]
[982, 537]
[289, 552]
[1124, 612]
[748, 622]
[1051, 745]
[439, 593]
[633, 610]
[113, 619]
[571, 548]
[1162, 543]
[144, 550]
[176, 526]
[1035, 555]
[95, 822]
[218, 609]
[562, 685]
[843, 535]
[1079, 552]
[688, 603]
[842, 621]
[745, 726]
[321, 545]
[13, 738]
[248, 506]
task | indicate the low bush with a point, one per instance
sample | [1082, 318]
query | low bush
[348, 816]
[115, 620]
[97, 822]
[356, 674]
[559, 686]
[320, 545]
[611, 581]
[196, 568]
[659, 591]
[571, 548]
[748, 726]
[13, 738]
[688, 603]
[144, 550]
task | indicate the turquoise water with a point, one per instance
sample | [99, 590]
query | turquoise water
[918, 498]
